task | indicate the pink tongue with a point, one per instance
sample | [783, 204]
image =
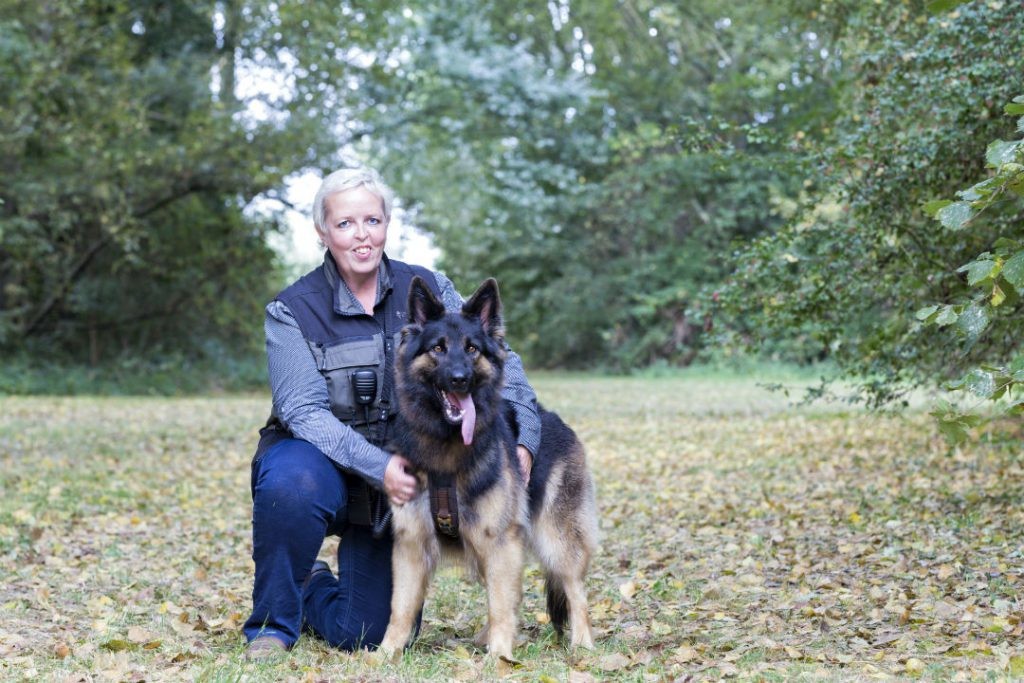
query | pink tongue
[468, 417]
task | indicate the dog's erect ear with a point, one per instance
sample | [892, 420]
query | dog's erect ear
[423, 305]
[485, 304]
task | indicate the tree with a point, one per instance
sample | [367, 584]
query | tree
[856, 260]
[995, 281]
[125, 166]
[597, 158]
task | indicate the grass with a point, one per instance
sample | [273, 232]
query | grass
[742, 537]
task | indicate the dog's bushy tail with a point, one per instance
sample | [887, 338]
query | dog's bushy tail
[558, 603]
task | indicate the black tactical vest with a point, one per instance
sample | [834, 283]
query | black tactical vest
[346, 341]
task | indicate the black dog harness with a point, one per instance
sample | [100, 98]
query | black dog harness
[444, 504]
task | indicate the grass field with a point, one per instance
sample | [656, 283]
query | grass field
[742, 537]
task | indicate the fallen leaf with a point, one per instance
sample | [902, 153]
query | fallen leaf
[914, 666]
[115, 645]
[683, 654]
[613, 662]
[137, 634]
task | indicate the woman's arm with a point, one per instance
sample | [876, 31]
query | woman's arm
[301, 401]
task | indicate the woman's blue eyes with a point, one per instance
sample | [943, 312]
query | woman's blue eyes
[346, 224]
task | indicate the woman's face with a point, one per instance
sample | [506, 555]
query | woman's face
[355, 230]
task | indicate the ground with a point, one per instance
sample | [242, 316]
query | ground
[741, 537]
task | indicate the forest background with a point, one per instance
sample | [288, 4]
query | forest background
[652, 183]
[657, 185]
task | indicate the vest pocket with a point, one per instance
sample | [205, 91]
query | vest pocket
[338, 362]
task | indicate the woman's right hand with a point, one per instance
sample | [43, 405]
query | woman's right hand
[399, 484]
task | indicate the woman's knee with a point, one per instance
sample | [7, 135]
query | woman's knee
[295, 476]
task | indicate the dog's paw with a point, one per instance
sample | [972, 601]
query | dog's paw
[381, 656]
[582, 640]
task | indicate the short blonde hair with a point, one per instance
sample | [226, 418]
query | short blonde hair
[346, 179]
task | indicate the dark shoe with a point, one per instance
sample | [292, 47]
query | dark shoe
[319, 568]
[265, 647]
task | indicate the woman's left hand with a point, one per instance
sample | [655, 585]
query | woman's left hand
[399, 483]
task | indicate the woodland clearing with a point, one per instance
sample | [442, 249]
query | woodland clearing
[741, 537]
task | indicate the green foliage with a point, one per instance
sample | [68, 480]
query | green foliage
[863, 250]
[599, 160]
[608, 162]
[213, 370]
[126, 165]
[995, 280]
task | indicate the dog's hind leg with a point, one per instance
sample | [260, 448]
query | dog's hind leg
[564, 537]
[579, 618]
[567, 602]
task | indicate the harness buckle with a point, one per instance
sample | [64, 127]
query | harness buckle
[444, 525]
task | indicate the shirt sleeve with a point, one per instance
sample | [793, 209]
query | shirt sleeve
[302, 403]
[517, 389]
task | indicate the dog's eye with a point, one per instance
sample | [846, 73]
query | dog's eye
[470, 348]
[438, 348]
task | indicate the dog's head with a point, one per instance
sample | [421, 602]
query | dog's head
[452, 362]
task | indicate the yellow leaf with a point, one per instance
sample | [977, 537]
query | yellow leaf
[684, 653]
[1016, 665]
[628, 589]
[61, 651]
[914, 666]
[115, 645]
[660, 629]
[542, 618]
[793, 653]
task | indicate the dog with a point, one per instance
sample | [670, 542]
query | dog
[455, 427]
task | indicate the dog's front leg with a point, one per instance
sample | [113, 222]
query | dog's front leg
[503, 575]
[413, 557]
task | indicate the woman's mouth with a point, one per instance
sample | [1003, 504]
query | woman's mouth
[362, 252]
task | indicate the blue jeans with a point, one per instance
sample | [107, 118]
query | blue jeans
[299, 498]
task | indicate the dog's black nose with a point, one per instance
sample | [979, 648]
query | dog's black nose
[460, 382]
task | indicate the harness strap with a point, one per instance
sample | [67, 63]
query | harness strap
[444, 505]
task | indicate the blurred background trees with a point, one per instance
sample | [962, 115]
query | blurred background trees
[640, 176]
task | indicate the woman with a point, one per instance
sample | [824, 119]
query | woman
[319, 465]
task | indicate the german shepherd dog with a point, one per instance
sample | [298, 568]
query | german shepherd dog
[454, 425]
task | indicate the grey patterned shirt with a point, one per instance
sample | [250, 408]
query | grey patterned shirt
[301, 400]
